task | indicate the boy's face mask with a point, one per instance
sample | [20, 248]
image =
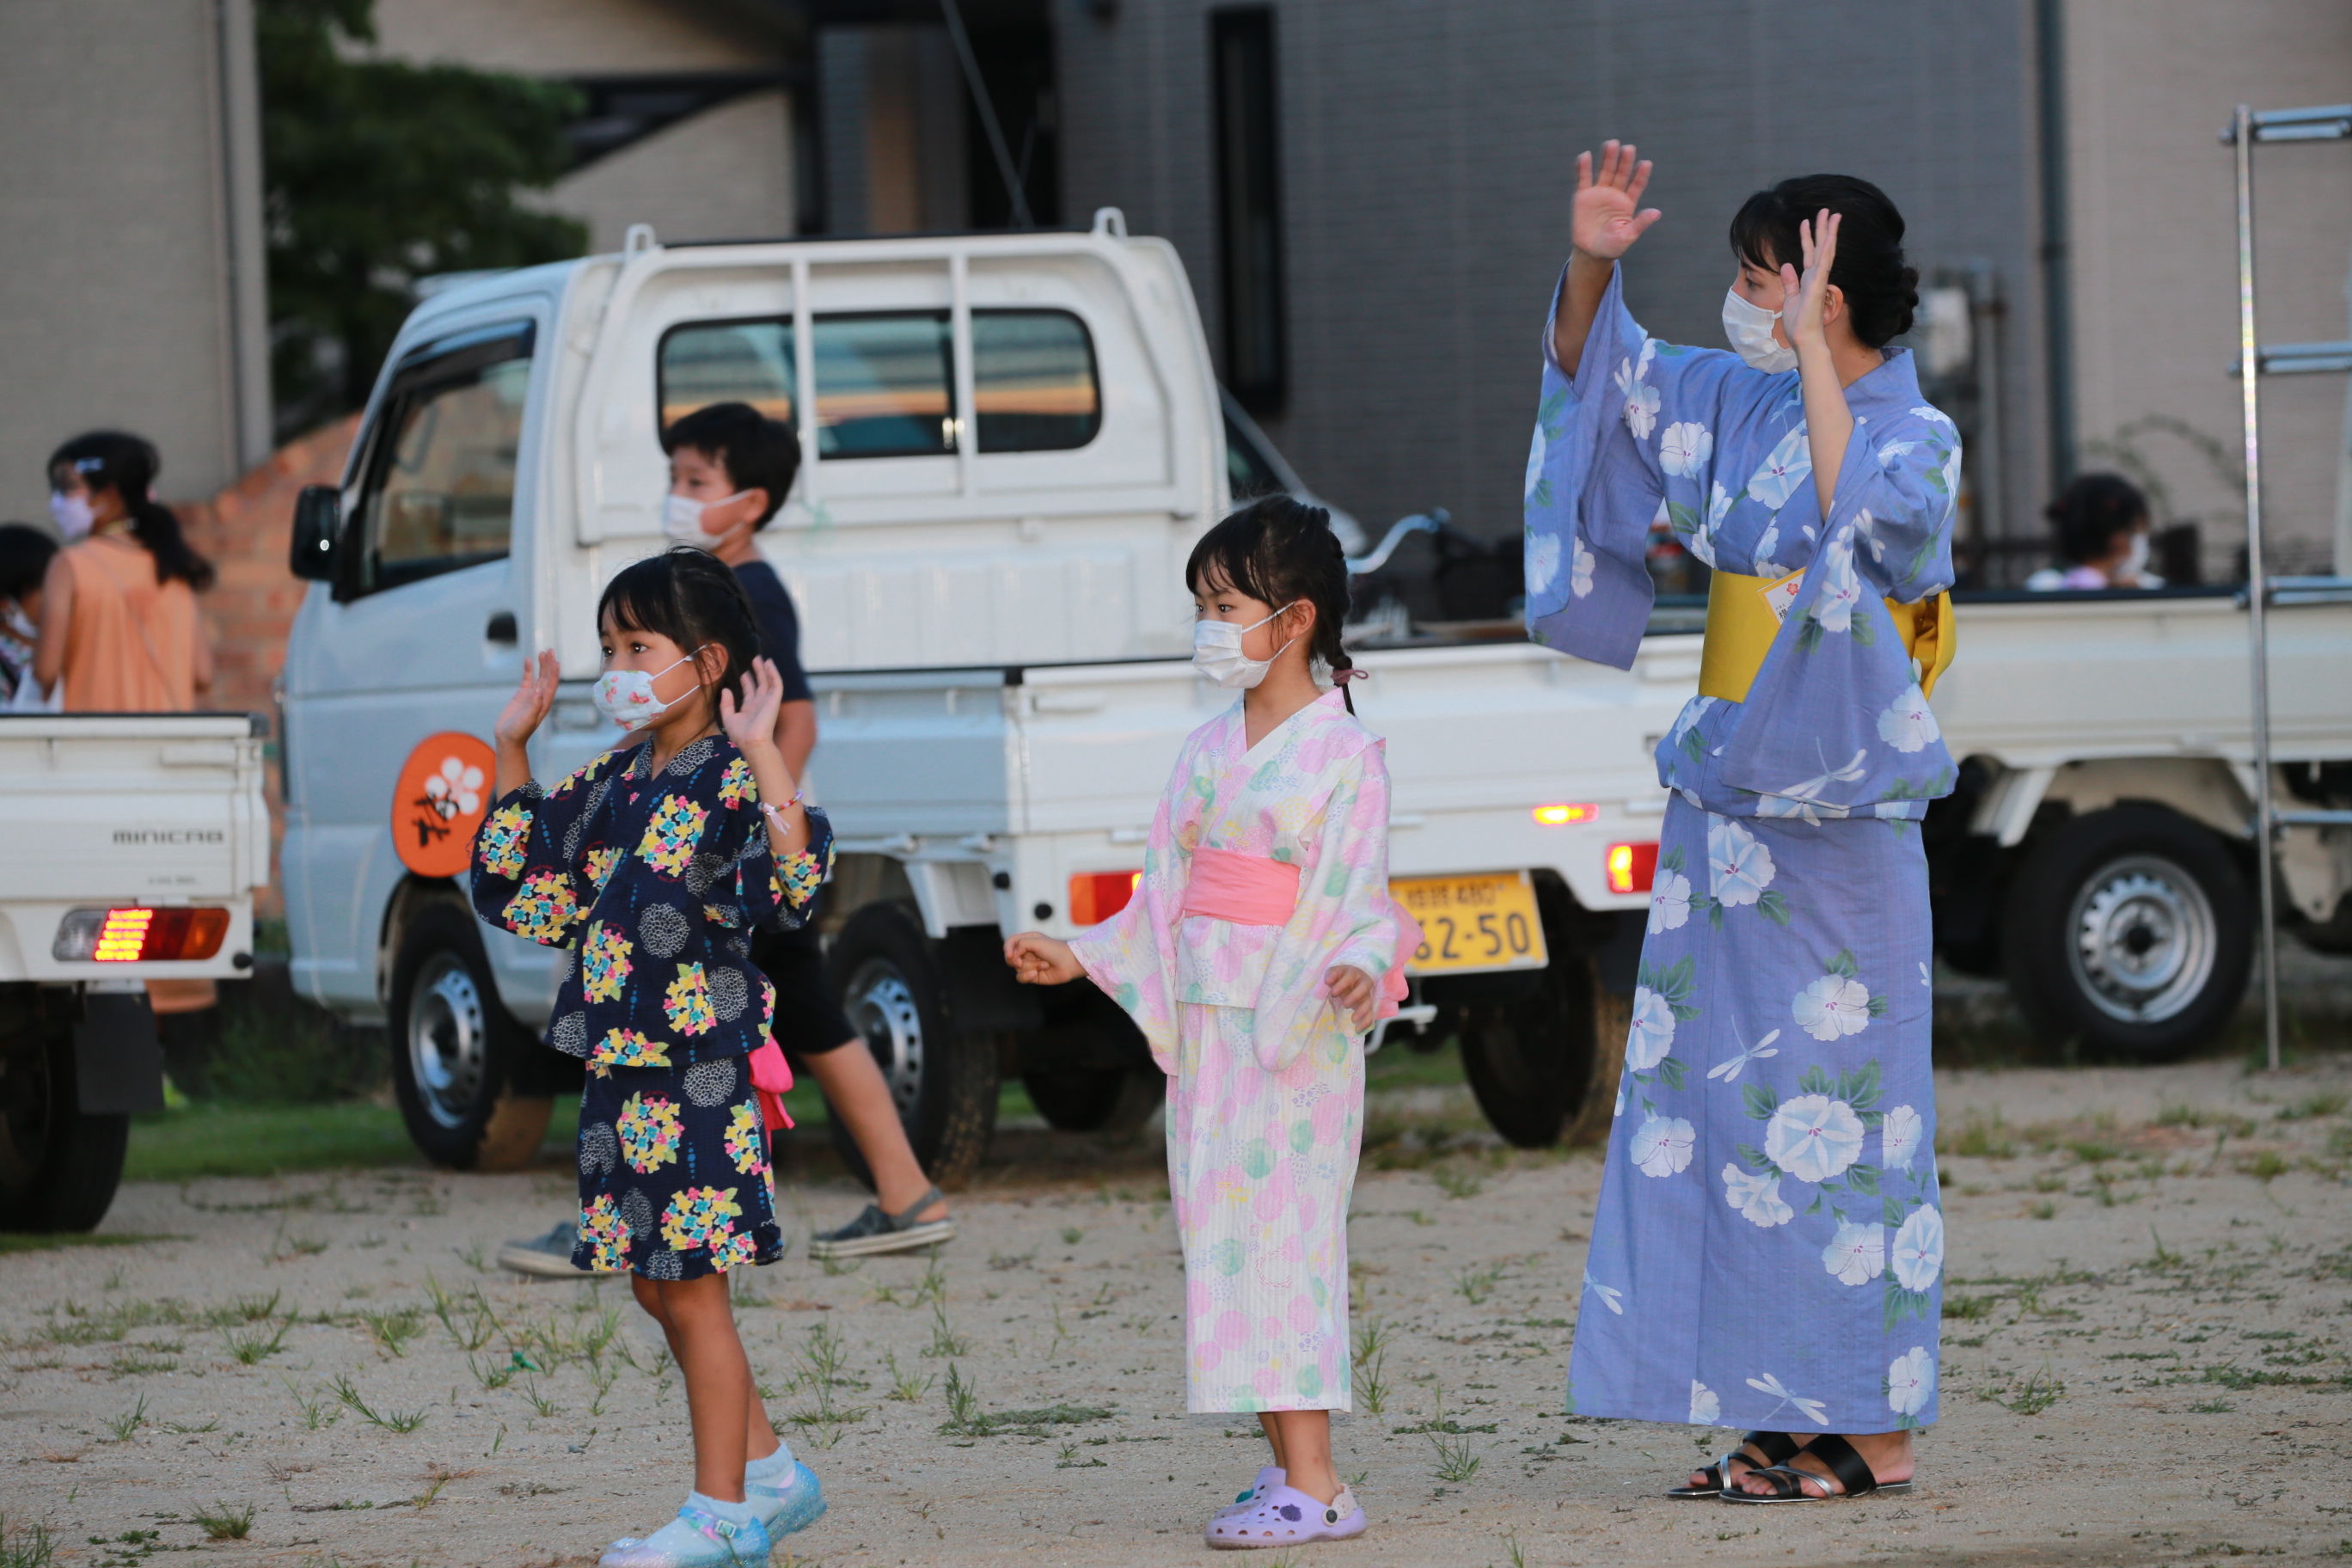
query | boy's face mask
[682, 518]
[626, 697]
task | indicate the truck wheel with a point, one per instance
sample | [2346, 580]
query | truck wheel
[456, 1052]
[58, 1167]
[944, 1083]
[1530, 1062]
[1116, 1101]
[2129, 931]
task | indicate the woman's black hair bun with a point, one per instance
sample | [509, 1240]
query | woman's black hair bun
[1880, 289]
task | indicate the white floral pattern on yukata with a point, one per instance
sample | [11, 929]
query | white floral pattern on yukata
[1267, 1080]
[1769, 1252]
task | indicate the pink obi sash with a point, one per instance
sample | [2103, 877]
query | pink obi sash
[1247, 890]
[771, 1076]
[1252, 890]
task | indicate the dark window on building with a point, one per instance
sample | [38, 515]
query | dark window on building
[1249, 206]
[1016, 65]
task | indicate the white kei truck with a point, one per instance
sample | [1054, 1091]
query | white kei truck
[1010, 443]
[130, 844]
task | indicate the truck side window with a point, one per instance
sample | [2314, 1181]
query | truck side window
[440, 474]
[885, 381]
[1032, 381]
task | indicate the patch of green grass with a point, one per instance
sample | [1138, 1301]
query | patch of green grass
[1969, 1309]
[26, 1550]
[2266, 1166]
[1983, 1137]
[2031, 1398]
[213, 1139]
[39, 1241]
[222, 1522]
[2313, 1105]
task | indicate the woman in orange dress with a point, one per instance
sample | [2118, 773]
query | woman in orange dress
[118, 621]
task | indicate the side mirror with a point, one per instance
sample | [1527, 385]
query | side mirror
[318, 519]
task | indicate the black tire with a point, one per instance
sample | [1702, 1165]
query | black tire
[2129, 930]
[1115, 1101]
[459, 1061]
[1531, 1061]
[58, 1167]
[886, 974]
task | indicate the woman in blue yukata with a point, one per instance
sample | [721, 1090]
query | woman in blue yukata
[1769, 1247]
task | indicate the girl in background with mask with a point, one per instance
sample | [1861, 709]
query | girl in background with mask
[2102, 522]
[1769, 1247]
[118, 621]
[1258, 947]
[655, 864]
[25, 557]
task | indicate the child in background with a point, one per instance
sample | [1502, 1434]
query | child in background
[659, 862]
[25, 556]
[1258, 947]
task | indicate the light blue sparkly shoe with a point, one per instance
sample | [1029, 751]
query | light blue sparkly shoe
[794, 1504]
[695, 1539]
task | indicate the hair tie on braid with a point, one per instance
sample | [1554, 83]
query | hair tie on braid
[1350, 673]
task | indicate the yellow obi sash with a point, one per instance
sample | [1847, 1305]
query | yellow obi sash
[1740, 625]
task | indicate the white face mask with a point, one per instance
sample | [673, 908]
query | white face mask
[71, 514]
[1217, 653]
[627, 696]
[2136, 563]
[1749, 327]
[682, 518]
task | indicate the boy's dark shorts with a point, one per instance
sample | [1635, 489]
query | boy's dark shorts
[809, 1022]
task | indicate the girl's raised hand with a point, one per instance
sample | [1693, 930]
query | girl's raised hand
[1041, 960]
[1608, 215]
[1351, 988]
[753, 721]
[527, 709]
[1809, 295]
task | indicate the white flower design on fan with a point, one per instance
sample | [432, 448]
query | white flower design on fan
[1857, 1254]
[457, 790]
[1911, 1381]
[1920, 1249]
[1662, 1145]
[1813, 1137]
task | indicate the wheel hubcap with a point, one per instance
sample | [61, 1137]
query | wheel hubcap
[882, 1006]
[2143, 939]
[448, 1046]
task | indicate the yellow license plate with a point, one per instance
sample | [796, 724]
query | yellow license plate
[1486, 922]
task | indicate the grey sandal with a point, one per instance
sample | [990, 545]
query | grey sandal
[873, 1232]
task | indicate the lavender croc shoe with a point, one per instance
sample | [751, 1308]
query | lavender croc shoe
[1284, 1516]
[1267, 1479]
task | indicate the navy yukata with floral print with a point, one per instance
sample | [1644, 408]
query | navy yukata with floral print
[656, 883]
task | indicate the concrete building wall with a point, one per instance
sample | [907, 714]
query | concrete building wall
[2150, 84]
[725, 173]
[1428, 161]
[130, 262]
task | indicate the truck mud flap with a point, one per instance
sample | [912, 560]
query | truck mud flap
[118, 1060]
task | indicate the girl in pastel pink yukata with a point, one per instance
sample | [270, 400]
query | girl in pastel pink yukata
[1258, 947]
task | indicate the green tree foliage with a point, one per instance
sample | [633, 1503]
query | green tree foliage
[379, 172]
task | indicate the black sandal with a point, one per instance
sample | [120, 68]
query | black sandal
[1850, 1469]
[1778, 1448]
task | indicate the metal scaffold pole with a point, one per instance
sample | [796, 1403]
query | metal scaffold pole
[2249, 384]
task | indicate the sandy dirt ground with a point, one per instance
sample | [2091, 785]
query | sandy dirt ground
[2147, 1315]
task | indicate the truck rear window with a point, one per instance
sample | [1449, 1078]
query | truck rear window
[885, 382]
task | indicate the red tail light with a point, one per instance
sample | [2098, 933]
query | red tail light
[138, 935]
[1098, 895]
[1631, 867]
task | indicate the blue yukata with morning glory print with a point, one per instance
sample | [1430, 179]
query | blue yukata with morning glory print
[1768, 1248]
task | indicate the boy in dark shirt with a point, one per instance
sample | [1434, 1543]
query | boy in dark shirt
[731, 469]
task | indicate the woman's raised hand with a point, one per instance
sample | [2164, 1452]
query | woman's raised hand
[527, 709]
[753, 721]
[1609, 214]
[1810, 294]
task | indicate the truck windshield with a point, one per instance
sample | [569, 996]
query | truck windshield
[885, 381]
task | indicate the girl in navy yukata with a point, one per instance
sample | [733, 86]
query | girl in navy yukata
[1769, 1245]
[653, 864]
